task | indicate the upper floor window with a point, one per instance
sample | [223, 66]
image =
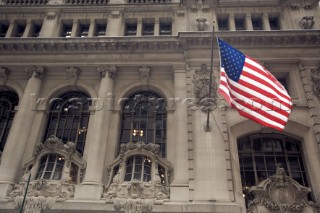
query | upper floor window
[8, 100]
[256, 22]
[100, 29]
[223, 23]
[259, 154]
[69, 117]
[131, 28]
[274, 23]
[148, 27]
[83, 30]
[240, 23]
[165, 27]
[19, 29]
[66, 30]
[51, 167]
[4, 26]
[144, 119]
[35, 29]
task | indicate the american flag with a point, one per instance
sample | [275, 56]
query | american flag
[252, 90]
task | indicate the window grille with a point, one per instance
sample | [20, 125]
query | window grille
[144, 119]
[51, 167]
[69, 117]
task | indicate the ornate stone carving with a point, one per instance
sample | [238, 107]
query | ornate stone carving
[115, 14]
[4, 72]
[137, 196]
[144, 74]
[112, 71]
[279, 193]
[35, 71]
[150, 147]
[307, 22]
[42, 193]
[51, 15]
[295, 5]
[73, 74]
[315, 78]
[201, 24]
[201, 80]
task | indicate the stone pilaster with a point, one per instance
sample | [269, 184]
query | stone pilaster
[114, 25]
[232, 26]
[179, 188]
[92, 185]
[265, 21]
[248, 22]
[11, 162]
[310, 95]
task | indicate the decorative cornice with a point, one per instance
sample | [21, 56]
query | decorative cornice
[183, 41]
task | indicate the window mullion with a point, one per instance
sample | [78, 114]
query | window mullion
[133, 167]
[142, 169]
[54, 167]
[45, 167]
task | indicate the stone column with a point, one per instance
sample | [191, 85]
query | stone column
[265, 21]
[92, 185]
[92, 28]
[179, 188]
[16, 143]
[139, 27]
[75, 29]
[248, 22]
[10, 29]
[232, 26]
[28, 29]
[156, 27]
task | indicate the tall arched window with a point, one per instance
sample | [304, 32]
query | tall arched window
[144, 119]
[69, 117]
[259, 154]
[8, 100]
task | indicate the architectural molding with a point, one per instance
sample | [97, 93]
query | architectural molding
[183, 41]
[280, 193]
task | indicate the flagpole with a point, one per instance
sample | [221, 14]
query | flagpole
[25, 193]
[207, 126]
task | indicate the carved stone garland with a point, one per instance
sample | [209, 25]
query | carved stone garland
[280, 194]
[42, 193]
[315, 78]
[200, 81]
[137, 196]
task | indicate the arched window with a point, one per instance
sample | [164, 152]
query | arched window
[51, 167]
[69, 117]
[144, 119]
[138, 168]
[8, 100]
[259, 154]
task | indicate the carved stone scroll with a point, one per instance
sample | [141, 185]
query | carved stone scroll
[201, 89]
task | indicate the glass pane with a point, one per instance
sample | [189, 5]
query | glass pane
[247, 163]
[267, 142]
[257, 145]
[47, 175]
[262, 175]
[271, 164]
[249, 179]
[260, 165]
[294, 164]
[277, 145]
[56, 176]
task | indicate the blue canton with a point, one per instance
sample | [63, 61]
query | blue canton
[232, 60]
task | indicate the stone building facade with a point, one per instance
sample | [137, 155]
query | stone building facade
[104, 104]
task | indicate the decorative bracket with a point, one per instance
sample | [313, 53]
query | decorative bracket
[307, 22]
[35, 71]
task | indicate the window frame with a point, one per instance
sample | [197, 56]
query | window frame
[132, 173]
[43, 166]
